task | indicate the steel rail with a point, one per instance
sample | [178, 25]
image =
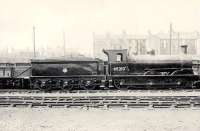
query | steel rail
[29, 91]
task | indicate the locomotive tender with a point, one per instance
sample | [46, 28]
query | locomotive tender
[70, 74]
[119, 72]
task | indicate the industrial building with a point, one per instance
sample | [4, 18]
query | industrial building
[176, 43]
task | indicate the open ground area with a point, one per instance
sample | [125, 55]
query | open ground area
[61, 119]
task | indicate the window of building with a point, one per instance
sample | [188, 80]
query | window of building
[184, 49]
[119, 57]
[164, 43]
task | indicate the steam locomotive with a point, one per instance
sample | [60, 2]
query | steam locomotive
[119, 72]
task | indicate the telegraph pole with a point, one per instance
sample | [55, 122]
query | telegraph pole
[137, 47]
[178, 42]
[64, 44]
[93, 35]
[170, 39]
[34, 54]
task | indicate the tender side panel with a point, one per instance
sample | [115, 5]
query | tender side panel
[65, 68]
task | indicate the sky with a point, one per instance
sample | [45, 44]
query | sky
[79, 19]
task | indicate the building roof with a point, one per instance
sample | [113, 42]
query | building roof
[177, 35]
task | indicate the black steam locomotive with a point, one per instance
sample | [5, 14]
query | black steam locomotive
[119, 72]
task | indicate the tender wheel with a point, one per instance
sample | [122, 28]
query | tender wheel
[68, 85]
[60, 84]
[46, 85]
[49, 85]
[37, 84]
[90, 85]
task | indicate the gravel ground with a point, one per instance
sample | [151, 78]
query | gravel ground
[48, 119]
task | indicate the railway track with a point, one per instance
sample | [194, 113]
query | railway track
[101, 98]
[101, 101]
[28, 91]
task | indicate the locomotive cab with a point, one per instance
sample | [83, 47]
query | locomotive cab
[116, 55]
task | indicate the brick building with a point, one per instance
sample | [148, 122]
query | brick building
[158, 44]
[136, 44]
[180, 43]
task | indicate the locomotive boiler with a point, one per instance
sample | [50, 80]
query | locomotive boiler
[150, 72]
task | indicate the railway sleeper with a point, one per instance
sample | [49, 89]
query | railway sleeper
[161, 105]
[196, 105]
[39, 105]
[182, 105]
[21, 105]
[137, 105]
[115, 105]
[5, 105]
